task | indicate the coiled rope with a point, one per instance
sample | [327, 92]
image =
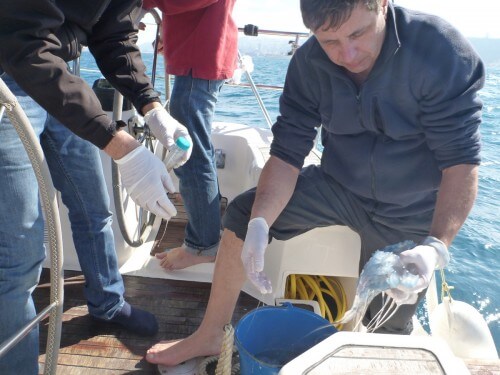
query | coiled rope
[224, 360]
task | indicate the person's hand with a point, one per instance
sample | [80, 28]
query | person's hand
[145, 178]
[167, 129]
[253, 254]
[422, 260]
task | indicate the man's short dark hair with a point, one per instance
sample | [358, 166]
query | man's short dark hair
[331, 13]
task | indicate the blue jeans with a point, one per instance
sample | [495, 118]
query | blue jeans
[193, 104]
[76, 171]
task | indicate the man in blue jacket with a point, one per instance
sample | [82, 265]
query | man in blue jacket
[395, 94]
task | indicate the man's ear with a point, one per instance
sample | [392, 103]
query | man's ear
[385, 5]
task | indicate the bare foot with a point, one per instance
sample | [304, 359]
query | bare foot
[171, 353]
[179, 258]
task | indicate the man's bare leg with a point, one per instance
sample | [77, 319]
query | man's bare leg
[229, 277]
[178, 258]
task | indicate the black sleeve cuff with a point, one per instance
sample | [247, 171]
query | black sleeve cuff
[149, 97]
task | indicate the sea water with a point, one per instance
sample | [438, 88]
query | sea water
[474, 267]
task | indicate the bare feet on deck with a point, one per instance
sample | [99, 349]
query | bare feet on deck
[171, 353]
[178, 258]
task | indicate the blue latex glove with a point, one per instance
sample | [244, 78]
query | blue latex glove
[252, 256]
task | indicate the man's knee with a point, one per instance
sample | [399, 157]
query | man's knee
[237, 213]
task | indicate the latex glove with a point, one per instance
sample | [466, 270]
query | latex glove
[167, 129]
[422, 260]
[145, 178]
[253, 254]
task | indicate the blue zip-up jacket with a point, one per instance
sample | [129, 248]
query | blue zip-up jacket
[387, 142]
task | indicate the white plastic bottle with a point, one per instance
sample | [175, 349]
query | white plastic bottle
[176, 152]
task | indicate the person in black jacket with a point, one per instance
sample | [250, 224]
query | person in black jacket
[37, 38]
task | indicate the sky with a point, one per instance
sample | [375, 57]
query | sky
[473, 18]
[476, 18]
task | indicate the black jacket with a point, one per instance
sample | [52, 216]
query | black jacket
[38, 37]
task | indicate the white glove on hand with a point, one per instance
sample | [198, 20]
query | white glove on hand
[145, 178]
[253, 254]
[422, 260]
[167, 129]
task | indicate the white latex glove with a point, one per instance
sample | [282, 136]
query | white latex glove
[145, 178]
[422, 260]
[253, 254]
[167, 129]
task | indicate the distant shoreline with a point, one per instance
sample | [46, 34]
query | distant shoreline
[265, 45]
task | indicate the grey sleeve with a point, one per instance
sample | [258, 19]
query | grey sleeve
[296, 127]
[450, 104]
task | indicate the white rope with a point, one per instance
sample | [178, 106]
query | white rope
[224, 360]
[226, 354]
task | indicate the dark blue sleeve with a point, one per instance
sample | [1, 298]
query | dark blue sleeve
[296, 127]
[450, 105]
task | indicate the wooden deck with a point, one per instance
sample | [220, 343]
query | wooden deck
[94, 348]
[89, 347]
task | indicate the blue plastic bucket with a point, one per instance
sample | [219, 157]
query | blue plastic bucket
[268, 338]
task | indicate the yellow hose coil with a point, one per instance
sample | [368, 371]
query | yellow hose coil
[317, 288]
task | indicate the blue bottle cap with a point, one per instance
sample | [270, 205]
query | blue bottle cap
[183, 143]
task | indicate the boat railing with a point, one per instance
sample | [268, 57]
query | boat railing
[248, 30]
[253, 30]
[257, 95]
[135, 236]
[10, 106]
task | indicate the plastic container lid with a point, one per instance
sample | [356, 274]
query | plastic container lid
[183, 143]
